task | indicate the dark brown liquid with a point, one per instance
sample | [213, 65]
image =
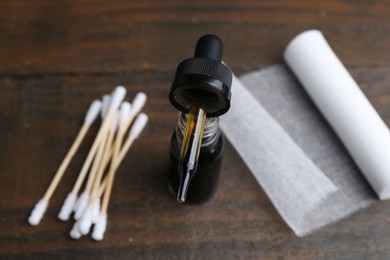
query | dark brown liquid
[205, 180]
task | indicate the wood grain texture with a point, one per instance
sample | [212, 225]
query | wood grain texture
[57, 56]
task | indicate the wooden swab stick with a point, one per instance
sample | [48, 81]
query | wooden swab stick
[87, 218]
[126, 118]
[124, 113]
[40, 208]
[84, 197]
[71, 199]
[87, 210]
[125, 121]
[135, 131]
[107, 153]
[75, 232]
[117, 98]
[107, 115]
[98, 162]
[107, 105]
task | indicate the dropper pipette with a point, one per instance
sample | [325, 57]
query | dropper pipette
[201, 87]
[190, 150]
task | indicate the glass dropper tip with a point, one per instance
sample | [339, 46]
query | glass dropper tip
[184, 184]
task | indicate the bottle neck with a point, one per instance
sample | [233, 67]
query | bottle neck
[211, 132]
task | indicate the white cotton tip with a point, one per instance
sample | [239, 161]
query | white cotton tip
[100, 227]
[124, 113]
[37, 212]
[93, 112]
[85, 221]
[138, 103]
[67, 207]
[105, 105]
[82, 203]
[75, 233]
[117, 97]
[76, 204]
[115, 121]
[139, 125]
[95, 210]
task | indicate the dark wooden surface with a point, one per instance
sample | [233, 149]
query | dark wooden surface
[57, 56]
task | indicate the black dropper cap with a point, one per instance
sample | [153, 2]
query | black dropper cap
[203, 80]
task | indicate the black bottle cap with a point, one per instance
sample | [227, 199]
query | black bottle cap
[203, 80]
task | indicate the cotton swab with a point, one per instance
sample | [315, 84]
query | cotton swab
[100, 227]
[106, 154]
[116, 99]
[91, 178]
[96, 209]
[86, 219]
[123, 114]
[103, 152]
[37, 212]
[135, 131]
[137, 104]
[96, 173]
[67, 207]
[108, 149]
[127, 114]
[82, 201]
[106, 100]
[75, 233]
[139, 101]
[71, 201]
[40, 208]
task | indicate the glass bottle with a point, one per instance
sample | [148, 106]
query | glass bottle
[205, 181]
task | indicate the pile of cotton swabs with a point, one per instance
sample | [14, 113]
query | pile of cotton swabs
[98, 171]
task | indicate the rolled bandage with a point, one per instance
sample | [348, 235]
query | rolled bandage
[344, 106]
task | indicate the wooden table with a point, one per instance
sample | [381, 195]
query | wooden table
[57, 56]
